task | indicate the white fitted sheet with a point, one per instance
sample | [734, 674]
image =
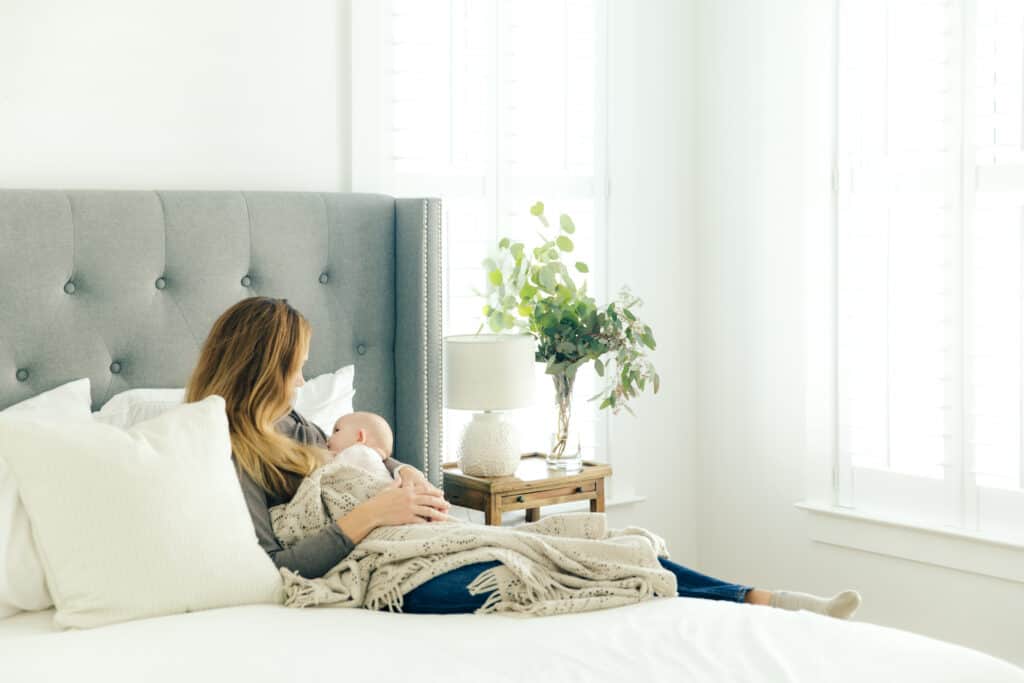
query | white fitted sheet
[667, 639]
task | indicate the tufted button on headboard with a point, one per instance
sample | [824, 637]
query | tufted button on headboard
[122, 287]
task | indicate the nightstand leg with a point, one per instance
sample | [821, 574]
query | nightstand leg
[492, 515]
[597, 504]
[532, 514]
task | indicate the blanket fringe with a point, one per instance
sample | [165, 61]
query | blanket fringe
[391, 599]
[486, 580]
[305, 593]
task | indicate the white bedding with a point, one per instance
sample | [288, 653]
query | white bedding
[667, 639]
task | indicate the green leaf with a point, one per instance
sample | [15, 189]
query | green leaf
[495, 320]
[537, 209]
[508, 302]
[599, 366]
[508, 322]
[489, 264]
[525, 310]
[564, 243]
[582, 267]
[657, 382]
[487, 310]
[527, 291]
[503, 244]
[495, 277]
[629, 314]
[547, 278]
[517, 251]
[566, 224]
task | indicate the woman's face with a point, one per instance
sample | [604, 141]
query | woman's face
[297, 379]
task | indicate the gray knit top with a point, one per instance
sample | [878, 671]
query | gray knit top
[314, 555]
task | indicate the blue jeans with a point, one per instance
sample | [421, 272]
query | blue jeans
[447, 594]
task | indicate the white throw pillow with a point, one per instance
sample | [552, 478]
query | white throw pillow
[22, 581]
[141, 522]
[133, 406]
[321, 400]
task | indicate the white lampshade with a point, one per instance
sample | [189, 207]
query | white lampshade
[490, 371]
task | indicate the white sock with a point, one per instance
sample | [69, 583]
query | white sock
[842, 605]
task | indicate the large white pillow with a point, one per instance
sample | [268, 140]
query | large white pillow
[141, 522]
[321, 400]
[128, 408]
[22, 582]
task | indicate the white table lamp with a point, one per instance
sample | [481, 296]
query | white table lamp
[489, 373]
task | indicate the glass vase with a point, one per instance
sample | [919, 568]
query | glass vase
[564, 452]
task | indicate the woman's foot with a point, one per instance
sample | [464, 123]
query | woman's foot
[842, 605]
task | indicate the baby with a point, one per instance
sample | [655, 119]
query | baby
[363, 440]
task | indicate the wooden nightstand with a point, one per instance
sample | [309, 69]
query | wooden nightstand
[532, 486]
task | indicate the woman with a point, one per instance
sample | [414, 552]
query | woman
[253, 358]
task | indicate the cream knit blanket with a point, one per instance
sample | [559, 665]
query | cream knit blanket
[563, 563]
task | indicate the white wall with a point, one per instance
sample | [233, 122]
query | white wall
[763, 94]
[651, 248]
[144, 94]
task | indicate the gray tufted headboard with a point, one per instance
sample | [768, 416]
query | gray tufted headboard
[123, 286]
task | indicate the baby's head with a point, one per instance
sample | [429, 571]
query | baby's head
[369, 429]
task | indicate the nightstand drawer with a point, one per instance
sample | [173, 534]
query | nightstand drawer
[560, 494]
[468, 498]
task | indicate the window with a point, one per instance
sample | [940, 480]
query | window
[490, 105]
[930, 262]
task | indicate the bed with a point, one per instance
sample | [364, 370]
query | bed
[121, 287]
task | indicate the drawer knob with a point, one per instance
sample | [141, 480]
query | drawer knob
[520, 499]
[579, 489]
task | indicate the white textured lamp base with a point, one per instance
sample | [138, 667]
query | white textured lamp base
[490, 446]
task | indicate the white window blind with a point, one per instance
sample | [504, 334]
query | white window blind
[490, 105]
[930, 273]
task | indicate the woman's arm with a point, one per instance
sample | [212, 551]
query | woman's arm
[311, 557]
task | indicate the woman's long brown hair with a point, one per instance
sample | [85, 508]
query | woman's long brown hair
[253, 350]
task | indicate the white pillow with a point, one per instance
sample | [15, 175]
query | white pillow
[22, 582]
[321, 400]
[133, 406]
[141, 522]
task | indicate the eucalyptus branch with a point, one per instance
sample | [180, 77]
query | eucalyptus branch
[531, 290]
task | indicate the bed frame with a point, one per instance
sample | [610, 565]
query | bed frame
[122, 287]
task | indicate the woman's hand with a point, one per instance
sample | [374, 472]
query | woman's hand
[409, 477]
[410, 499]
[399, 504]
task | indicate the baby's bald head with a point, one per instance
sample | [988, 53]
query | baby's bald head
[365, 428]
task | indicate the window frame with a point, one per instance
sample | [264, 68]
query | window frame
[837, 489]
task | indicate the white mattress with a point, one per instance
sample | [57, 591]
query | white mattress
[668, 639]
